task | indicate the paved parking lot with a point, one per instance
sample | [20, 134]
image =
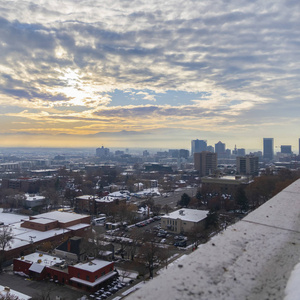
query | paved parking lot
[36, 289]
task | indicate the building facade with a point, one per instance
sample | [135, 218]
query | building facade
[247, 165]
[184, 220]
[287, 149]
[205, 162]
[268, 151]
[89, 276]
[198, 146]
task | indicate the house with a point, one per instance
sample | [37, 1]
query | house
[184, 220]
[89, 276]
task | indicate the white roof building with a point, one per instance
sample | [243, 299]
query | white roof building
[183, 220]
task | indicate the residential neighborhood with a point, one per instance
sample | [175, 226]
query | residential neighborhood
[103, 225]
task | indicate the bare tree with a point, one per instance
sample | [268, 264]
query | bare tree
[150, 251]
[6, 237]
[8, 296]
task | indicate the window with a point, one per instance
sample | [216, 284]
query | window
[87, 277]
[78, 275]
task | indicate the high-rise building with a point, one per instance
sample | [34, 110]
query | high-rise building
[220, 149]
[268, 148]
[198, 146]
[247, 165]
[205, 162]
[287, 149]
[299, 148]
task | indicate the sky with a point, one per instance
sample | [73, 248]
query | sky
[149, 73]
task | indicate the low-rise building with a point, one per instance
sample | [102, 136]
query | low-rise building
[48, 227]
[184, 220]
[89, 276]
[224, 184]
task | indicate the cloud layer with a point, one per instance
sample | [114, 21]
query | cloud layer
[82, 67]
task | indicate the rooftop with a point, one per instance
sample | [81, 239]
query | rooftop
[93, 265]
[187, 214]
[62, 217]
[252, 259]
[42, 259]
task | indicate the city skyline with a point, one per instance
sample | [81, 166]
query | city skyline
[149, 74]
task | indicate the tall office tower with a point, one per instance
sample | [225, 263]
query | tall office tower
[247, 165]
[287, 149]
[268, 148]
[198, 146]
[220, 148]
[205, 162]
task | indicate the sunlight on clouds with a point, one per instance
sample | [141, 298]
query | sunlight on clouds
[61, 53]
[67, 67]
[81, 92]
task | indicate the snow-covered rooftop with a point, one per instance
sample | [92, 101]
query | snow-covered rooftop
[41, 259]
[24, 236]
[42, 221]
[62, 217]
[251, 259]
[187, 214]
[30, 197]
[93, 265]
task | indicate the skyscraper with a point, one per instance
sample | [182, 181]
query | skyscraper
[198, 146]
[220, 149]
[205, 162]
[268, 148]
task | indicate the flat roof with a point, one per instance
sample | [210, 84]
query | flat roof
[24, 236]
[187, 214]
[42, 221]
[93, 265]
[41, 259]
[61, 216]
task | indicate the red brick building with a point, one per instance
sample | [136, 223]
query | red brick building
[89, 276]
[51, 227]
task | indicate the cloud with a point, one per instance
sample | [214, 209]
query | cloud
[242, 54]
